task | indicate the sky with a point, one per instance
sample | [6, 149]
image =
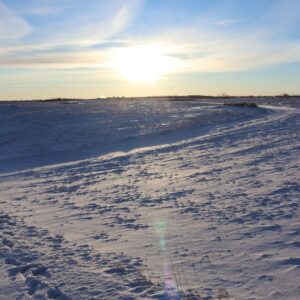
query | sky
[100, 48]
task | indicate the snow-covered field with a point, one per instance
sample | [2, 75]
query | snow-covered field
[141, 199]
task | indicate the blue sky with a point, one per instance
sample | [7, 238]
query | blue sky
[79, 48]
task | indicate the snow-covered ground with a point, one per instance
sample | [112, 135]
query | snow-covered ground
[141, 199]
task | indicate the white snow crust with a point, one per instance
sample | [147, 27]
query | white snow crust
[150, 199]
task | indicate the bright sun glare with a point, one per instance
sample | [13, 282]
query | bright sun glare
[144, 63]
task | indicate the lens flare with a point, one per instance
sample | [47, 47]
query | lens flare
[170, 286]
[160, 229]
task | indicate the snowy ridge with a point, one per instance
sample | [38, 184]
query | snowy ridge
[37, 134]
[217, 214]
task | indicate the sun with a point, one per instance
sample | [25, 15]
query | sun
[146, 63]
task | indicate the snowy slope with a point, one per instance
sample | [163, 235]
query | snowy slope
[210, 208]
[36, 133]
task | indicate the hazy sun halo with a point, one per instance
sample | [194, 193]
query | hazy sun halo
[144, 63]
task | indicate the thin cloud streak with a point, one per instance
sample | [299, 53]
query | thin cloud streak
[12, 27]
[63, 60]
[224, 54]
[227, 22]
[102, 22]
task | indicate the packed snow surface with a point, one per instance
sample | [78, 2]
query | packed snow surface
[150, 199]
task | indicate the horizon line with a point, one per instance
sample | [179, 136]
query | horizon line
[192, 96]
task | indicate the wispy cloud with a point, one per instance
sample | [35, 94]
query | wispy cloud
[12, 27]
[237, 53]
[285, 14]
[79, 40]
[203, 48]
[55, 60]
[40, 11]
[226, 22]
[97, 21]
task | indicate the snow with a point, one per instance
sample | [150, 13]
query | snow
[143, 199]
